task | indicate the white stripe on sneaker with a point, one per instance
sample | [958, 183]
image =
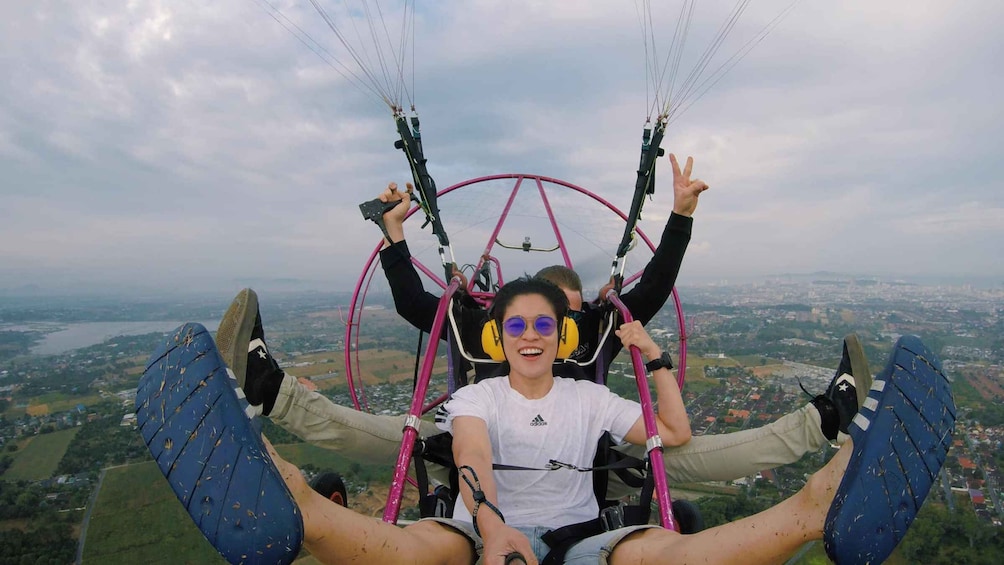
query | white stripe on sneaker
[256, 343]
[250, 410]
[871, 404]
[861, 421]
[878, 385]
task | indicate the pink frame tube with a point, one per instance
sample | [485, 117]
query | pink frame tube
[658, 466]
[352, 338]
[554, 224]
[498, 227]
[393, 507]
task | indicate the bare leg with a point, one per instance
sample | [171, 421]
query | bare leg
[334, 534]
[767, 537]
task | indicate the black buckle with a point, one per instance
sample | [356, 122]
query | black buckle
[554, 465]
[612, 517]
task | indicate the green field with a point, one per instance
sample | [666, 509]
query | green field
[38, 459]
[65, 403]
[815, 554]
[53, 402]
[137, 519]
[49, 397]
[755, 360]
[328, 460]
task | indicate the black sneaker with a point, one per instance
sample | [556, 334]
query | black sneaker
[241, 341]
[853, 362]
[847, 391]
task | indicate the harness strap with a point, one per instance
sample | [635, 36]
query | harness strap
[562, 539]
[611, 517]
[421, 474]
[435, 449]
[554, 465]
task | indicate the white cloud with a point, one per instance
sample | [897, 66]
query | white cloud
[967, 218]
[856, 136]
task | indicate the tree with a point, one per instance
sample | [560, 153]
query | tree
[943, 537]
[50, 541]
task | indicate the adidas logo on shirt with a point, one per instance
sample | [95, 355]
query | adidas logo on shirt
[538, 421]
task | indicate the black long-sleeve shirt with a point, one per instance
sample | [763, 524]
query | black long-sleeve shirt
[644, 300]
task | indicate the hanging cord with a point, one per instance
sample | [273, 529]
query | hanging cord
[479, 497]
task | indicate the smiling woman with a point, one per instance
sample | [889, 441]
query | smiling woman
[530, 351]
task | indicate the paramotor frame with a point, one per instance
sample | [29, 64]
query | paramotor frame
[357, 305]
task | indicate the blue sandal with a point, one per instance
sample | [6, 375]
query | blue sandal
[901, 438]
[193, 419]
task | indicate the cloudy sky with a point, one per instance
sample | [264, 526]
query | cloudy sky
[172, 144]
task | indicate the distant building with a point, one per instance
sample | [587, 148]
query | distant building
[976, 496]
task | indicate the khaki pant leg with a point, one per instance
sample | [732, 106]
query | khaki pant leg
[360, 436]
[726, 457]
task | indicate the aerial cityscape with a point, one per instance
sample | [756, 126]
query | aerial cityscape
[67, 434]
[158, 157]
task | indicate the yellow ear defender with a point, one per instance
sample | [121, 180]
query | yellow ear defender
[568, 339]
[491, 339]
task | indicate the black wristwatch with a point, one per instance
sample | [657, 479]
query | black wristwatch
[663, 361]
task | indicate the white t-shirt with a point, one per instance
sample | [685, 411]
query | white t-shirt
[565, 426]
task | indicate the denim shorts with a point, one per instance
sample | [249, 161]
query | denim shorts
[590, 551]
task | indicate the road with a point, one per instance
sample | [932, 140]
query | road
[87, 517]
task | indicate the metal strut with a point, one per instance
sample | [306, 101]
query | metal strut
[644, 186]
[411, 144]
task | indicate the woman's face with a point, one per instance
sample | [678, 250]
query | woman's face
[532, 352]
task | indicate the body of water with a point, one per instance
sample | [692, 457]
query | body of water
[60, 338]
